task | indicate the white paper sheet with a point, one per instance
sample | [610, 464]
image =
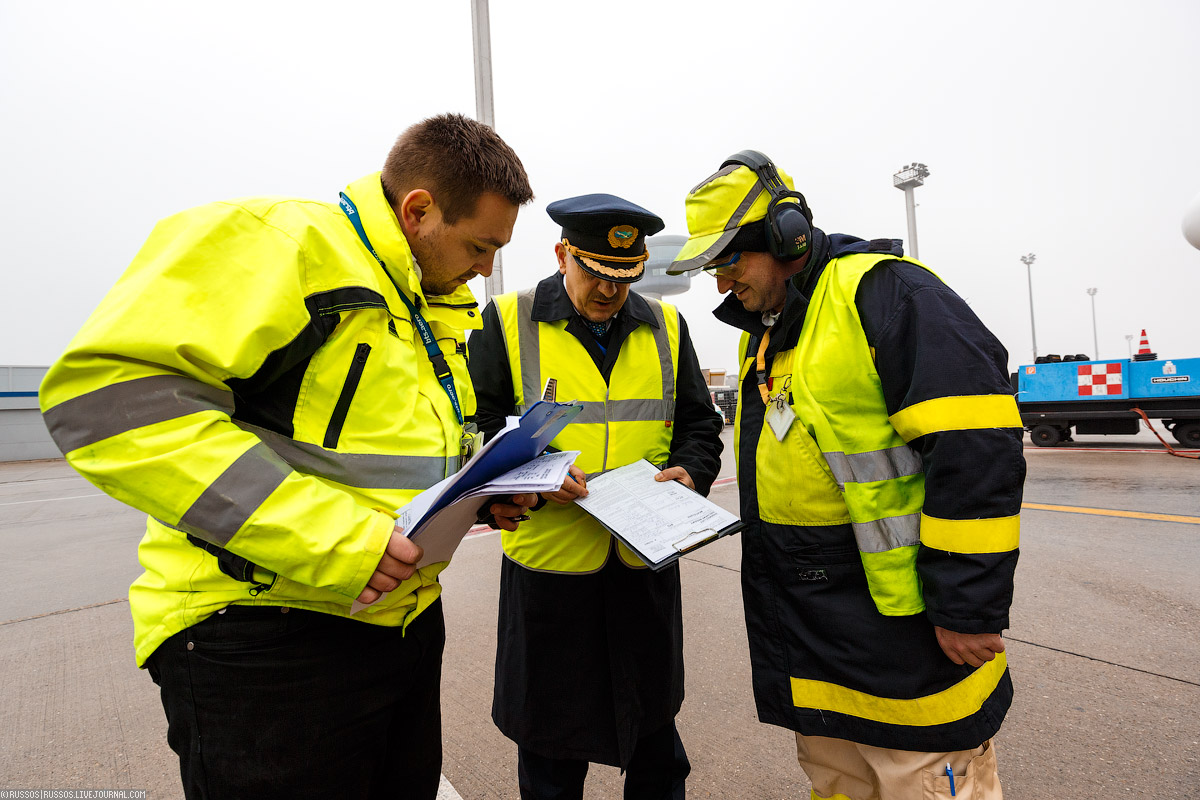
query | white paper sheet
[657, 519]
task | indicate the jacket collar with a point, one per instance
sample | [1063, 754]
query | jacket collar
[379, 221]
[552, 303]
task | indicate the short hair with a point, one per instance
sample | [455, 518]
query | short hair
[456, 159]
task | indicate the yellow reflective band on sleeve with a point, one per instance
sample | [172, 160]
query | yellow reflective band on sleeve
[957, 702]
[961, 413]
[994, 535]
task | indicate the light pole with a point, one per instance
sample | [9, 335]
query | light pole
[481, 35]
[1095, 341]
[909, 178]
[1027, 259]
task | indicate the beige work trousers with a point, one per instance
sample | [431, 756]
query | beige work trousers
[842, 770]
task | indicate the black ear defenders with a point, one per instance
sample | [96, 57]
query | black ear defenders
[788, 225]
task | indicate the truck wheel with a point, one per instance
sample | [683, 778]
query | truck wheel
[1045, 435]
[1187, 433]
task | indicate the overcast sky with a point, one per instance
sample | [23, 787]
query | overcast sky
[1067, 129]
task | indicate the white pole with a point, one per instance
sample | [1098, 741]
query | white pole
[1027, 260]
[481, 34]
[911, 205]
[1095, 341]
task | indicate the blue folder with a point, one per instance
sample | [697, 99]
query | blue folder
[512, 448]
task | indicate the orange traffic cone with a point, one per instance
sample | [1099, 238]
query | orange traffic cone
[1143, 353]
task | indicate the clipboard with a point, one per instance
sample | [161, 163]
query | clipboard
[655, 526]
[658, 566]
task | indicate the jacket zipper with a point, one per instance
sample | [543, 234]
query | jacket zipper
[338, 419]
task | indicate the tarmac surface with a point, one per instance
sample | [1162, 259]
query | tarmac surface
[1104, 646]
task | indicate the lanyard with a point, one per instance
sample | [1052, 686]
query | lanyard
[440, 368]
[761, 365]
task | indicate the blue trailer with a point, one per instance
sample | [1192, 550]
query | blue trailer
[1059, 394]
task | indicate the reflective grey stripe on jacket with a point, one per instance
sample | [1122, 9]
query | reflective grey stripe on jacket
[876, 465]
[879, 535]
[594, 411]
[120, 407]
[889, 533]
[227, 503]
[359, 470]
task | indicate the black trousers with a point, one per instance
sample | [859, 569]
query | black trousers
[657, 771]
[267, 702]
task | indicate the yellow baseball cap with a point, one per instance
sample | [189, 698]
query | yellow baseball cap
[730, 198]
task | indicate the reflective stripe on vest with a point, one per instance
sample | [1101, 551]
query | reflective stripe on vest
[594, 411]
[624, 420]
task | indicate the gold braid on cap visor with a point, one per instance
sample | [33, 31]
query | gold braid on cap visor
[593, 260]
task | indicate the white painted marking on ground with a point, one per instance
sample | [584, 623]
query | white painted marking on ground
[446, 791]
[55, 499]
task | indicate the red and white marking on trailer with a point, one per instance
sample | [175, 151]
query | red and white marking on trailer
[1099, 379]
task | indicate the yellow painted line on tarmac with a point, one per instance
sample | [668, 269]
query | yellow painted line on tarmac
[1112, 512]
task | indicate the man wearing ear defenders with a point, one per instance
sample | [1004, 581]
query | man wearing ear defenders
[880, 468]
[589, 659]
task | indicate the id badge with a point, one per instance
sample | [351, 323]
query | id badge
[780, 417]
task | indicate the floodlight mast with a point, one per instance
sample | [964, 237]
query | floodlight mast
[1095, 339]
[908, 179]
[1027, 260]
[481, 34]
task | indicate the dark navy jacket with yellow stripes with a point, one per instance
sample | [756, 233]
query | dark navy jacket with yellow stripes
[825, 661]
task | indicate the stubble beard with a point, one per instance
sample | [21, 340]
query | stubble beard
[434, 279]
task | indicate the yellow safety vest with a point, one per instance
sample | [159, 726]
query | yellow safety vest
[843, 459]
[254, 380]
[626, 419]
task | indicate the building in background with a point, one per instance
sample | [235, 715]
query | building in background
[655, 282]
[23, 434]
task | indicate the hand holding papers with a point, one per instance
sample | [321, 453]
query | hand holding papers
[440, 532]
[439, 517]
[657, 521]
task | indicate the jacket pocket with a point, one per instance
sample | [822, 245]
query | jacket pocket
[338, 418]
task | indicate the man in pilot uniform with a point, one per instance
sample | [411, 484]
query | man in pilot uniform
[589, 665]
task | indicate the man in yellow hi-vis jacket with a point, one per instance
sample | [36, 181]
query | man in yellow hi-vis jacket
[880, 468]
[589, 662]
[268, 381]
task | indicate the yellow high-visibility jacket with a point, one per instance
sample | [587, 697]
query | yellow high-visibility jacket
[255, 382]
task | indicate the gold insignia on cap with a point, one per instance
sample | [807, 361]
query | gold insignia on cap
[622, 236]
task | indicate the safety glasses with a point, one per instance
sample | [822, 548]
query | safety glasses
[727, 268]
